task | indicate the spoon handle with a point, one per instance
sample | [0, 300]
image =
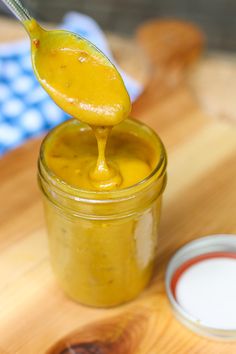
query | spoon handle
[18, 10]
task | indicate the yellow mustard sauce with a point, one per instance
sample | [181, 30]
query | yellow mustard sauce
[102, 250]
[71, 155]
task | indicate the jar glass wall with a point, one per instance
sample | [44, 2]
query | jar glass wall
[103, 244]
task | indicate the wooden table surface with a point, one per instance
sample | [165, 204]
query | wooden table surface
[200, 199]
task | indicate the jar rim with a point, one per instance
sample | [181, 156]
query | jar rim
[115, 195]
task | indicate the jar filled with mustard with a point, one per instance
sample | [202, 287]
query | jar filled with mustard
[102, 243]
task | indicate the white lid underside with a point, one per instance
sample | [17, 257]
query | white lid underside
[207, 291]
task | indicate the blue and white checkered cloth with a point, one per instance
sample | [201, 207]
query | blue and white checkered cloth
[26, 110]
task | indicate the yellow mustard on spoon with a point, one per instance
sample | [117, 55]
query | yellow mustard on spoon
[81, 80]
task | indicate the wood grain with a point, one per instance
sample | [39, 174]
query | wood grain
[200, 199]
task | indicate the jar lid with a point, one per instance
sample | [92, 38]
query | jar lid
[201, 285]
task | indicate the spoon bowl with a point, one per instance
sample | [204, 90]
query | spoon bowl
[78, 76]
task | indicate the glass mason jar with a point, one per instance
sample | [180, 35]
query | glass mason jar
[103, 244]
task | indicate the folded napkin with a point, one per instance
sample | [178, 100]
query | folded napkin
[26, 110]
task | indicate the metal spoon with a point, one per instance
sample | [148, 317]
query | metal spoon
[16, 7]
[88, 106]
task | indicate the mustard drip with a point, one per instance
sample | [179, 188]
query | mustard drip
[104, 175]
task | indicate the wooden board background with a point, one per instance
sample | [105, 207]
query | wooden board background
[200, 199]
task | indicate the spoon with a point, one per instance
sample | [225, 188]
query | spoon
[16, 7]
[75, 73]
